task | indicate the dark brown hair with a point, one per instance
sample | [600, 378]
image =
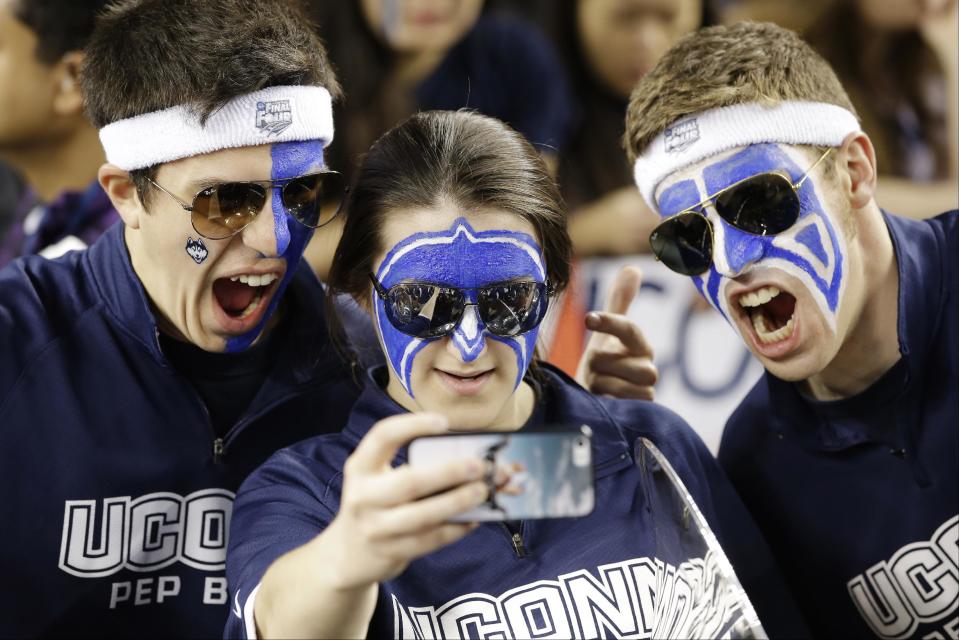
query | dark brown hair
[462, 158]
[148, 55]
[723, 66]
[61, 26]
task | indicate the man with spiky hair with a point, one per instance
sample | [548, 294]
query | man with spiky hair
[44, 134]
[144, 378]
[846, 450]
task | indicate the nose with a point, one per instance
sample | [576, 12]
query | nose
[734, 251]
[469, 340]
[268, 233]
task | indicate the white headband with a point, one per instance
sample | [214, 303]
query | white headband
[267, 116]
[704, 134]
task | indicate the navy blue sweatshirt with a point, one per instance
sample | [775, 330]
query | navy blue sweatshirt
[858, 498]
[117, 496]
[616, 570]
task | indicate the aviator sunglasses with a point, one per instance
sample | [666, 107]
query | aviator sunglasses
[222, 210]
[764, 205]
[426, 310]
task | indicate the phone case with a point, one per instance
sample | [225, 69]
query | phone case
[536, 474]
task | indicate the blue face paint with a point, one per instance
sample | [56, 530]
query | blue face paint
[464, 258]
[811, 250]
[290, 159]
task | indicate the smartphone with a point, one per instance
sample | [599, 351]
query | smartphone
[536, 474]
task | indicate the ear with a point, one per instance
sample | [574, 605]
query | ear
[122, 192]
[67, 97]
[857, 169]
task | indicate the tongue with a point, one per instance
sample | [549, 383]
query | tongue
[779, 310]
[234, 297]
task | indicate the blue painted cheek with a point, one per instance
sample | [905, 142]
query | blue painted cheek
[397, 345]
[811, 237]
[524, 348]
[812, 240]
[712, 291]
[290, 159]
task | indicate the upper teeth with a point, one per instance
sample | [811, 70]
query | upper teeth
[254, 280]
[756, 298]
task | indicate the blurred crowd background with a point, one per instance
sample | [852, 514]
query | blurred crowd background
[560, 72]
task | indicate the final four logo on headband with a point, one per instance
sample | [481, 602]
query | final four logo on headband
[274, 116]
[681, 135]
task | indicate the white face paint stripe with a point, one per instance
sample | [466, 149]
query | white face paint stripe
[379, 335]
[410, 348]
[522, 347]
[787, 241]
[460, 229]
[469, 324]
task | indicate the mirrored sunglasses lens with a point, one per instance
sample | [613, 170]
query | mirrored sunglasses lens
[684, 244]
[763, 205]
[223, 210]
[513, 308]
[424, 310]
[314, 199]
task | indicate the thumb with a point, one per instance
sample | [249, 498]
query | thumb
[624, 290]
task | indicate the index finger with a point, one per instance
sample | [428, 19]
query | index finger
[379, 446]
[621, 327]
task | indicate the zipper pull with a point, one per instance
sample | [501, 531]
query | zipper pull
[518, 545]
[217, 450]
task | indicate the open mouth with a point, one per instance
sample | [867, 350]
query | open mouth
[770, 313]
[241, 296]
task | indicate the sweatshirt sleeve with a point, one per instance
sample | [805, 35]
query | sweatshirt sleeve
[283, 505]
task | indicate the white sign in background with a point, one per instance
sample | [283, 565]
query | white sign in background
[705, 369]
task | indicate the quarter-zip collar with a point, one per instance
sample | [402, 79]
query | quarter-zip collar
[108, 266]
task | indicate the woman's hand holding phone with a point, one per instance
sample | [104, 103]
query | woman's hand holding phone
[391, 516]
[387, 518]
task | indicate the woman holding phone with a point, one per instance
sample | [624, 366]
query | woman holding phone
[455, 242]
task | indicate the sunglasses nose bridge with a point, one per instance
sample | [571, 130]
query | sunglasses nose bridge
[262, 233]
[469, 339]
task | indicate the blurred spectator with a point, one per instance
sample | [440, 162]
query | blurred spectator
[798, 16]
[608, 45]
[44, 133]
[899, 62]
[395, 57]
[11, 188]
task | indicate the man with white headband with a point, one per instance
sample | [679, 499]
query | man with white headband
[846, 450]
[143, 379]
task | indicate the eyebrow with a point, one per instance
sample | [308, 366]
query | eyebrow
[200, 184]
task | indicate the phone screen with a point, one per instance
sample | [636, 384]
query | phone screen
[537, 474]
